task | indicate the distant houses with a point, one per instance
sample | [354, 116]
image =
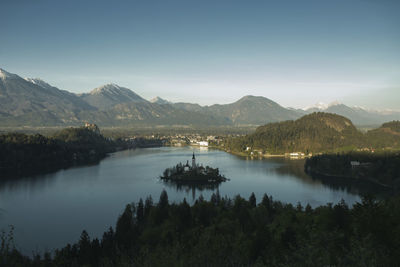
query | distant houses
[202, 143]
[194, 140]
[296, 155]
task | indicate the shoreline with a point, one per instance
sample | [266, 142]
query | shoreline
[257, 155]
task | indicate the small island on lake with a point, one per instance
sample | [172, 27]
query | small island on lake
[193, 174]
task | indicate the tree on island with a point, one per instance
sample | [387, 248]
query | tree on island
[194, 173]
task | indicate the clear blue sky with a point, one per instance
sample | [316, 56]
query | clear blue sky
[293, 52]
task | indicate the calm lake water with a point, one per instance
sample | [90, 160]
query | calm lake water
[51, 210]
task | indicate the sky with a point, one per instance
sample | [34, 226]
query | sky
[296, 53]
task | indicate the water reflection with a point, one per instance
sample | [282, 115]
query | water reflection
[39, 182]
[350, 186]
[92, 197]
[26, 183]
[192, 187]
[355, 186]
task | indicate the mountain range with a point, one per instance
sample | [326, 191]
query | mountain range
[33, 102]
[359, 116]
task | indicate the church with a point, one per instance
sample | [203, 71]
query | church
[194, 166]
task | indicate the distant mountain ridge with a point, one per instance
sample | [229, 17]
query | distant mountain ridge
[109, 95]
[25, 101]
[358, 115]
[34, 102]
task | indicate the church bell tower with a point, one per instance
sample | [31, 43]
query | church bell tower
[193, 162]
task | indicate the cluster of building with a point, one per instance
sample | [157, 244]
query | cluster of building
[260, 153]
[194, 140]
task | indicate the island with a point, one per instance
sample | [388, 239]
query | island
[197, 174]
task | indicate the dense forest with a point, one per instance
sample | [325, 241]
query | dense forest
[383, 168]
[386, 136]
[315, 133]
[234, 232]
[25, 154]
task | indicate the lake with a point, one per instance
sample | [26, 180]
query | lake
[51, 210]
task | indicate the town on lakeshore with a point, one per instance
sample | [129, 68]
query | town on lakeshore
[194, 173]
[212, 141]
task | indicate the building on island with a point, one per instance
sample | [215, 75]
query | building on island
[186, 168]
[193, 162]
[195, 173]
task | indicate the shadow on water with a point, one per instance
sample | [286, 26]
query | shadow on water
[192, 187]
[352, 186]
[34, 178]
[355, 186]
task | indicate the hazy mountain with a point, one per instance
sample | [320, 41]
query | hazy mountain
[160, 101]
[255, 110]
[298, 110]
[318, 107]
[26, 100]
[109, 95]
[249, 110]
[146, 113]
[36, 103]
[189, 106]
[359, 116]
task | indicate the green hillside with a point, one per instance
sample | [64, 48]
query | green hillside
[387, 136]
[252, 110]
[317, 132]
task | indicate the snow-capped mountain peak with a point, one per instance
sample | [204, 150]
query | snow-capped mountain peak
[110, 88]
[109, 95]
[38, 82]
[159, 100]
[322, 105]
[6, 75]
[319, 106]
[334, 103]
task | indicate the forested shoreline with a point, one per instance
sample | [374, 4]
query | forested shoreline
[380, 168]
[315, 133]
[23, 154]
[234, 232]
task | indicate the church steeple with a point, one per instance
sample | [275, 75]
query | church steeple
[193, 161]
